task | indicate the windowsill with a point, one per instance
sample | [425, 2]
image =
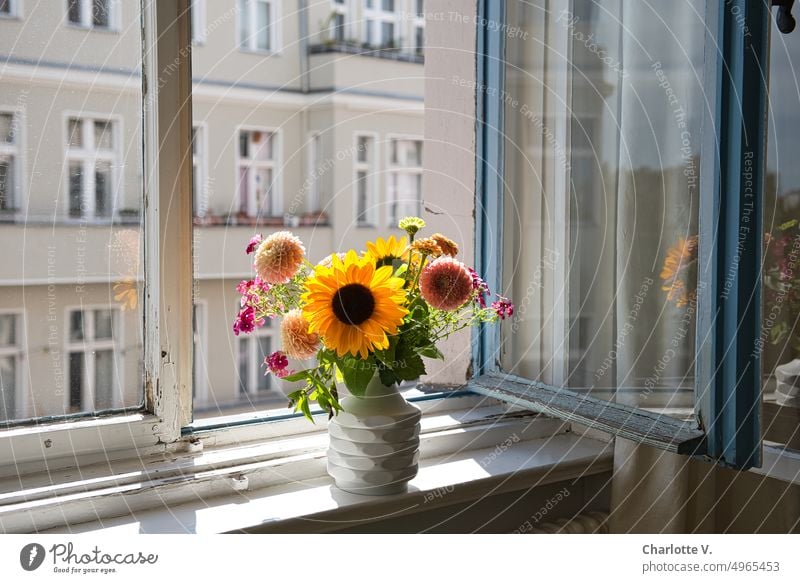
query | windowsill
[313, 504]
[260, 52]
[89, 28]
[220, 482]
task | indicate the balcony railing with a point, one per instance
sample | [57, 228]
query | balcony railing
[394, 54]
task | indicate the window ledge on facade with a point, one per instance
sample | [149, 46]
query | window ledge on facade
[281, 483]
[367, 51]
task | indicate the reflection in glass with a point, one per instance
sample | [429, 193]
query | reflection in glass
[601, 177]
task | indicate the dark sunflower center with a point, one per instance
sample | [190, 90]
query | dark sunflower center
[353, 304]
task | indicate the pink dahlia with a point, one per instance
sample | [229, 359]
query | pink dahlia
[445, 284]
[278, 257]
[277, 364]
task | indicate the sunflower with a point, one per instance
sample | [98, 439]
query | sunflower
[353, 305]
[386, 252]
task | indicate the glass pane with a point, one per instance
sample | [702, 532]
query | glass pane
[388, 5]
[8, 330]
[77, 157]
[780, 337]
[265, 172]
[263, 26]
[387, 34]
[8, 198]
[601, 240]
[244, 20]
[5, 7]
[104, 378]
[74, 11]
[6, 128]
[8, 387]
[264, 349]
[102, 189]
[75, 130]
[103, 324]
[103, 136]
[76, 326]
[100, 13]
[75, 189]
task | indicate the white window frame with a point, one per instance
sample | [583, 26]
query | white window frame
[198, 20]
[88, 156]
[397, 168]
[86, 21]
[200, 179]
[273, 164]
[315, 178]
[89, 345]
[249, 43]
[254, 363]
[370, 167]
[16, 150]
[375, 17]
[18, 351]
[14, 10]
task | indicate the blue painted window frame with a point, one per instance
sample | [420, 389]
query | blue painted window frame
[728, 378]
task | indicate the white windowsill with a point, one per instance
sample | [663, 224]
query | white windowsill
[315, 505]
[287, 485]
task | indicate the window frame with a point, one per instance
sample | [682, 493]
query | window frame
[91, 345]
[393, 168]
[377, 16]
[87, 156]
[73, 440]
[273, 164]
[87, 21]
[371, 168]
[726, 428]
[250, 40]
[17, 150]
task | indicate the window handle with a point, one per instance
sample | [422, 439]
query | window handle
[784, 18]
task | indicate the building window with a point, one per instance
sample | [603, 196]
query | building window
[405, 179]
[91, 13]
[8, 8]
[9, 162]
[364, 181]
[10, 366]
[253, 349]
[199, 174]
[418, 27]
[198, 20]
[92, 353]
[338, 23]
[381, 23]
[316, 173]
[92, 162]
[257, 25]
[257, 192]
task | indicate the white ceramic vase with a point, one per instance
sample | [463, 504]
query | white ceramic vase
[374, 442]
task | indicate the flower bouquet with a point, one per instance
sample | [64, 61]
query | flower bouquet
[365, 321]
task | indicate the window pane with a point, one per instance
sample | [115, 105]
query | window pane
[387, 34]
[6, 128]
[779, 344]
[100, 13]
[601, 241]
[8, 387]
[8, 330]
[74, 11]
[263, 26]
[7, 184]
[102, 189]
[75, 162]
[104, 379]
[387, 5]
[5, 7]
[283, 163]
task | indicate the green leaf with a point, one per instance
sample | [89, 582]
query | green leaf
[387, 377]
[409, 365]
[430, 351]
[387, 356]
[357, 373]
[298, 376]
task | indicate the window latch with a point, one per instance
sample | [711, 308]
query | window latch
[784, 18]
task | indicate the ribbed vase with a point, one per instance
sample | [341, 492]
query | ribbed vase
[374, 442]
